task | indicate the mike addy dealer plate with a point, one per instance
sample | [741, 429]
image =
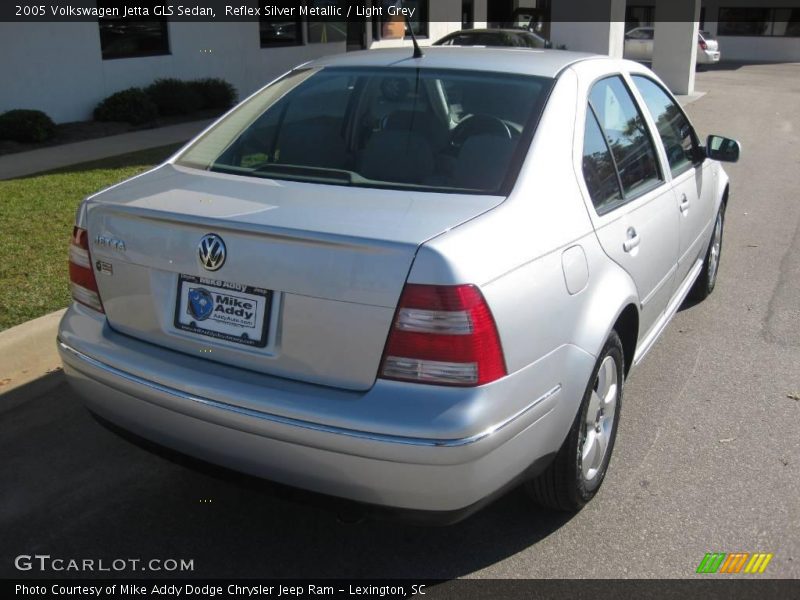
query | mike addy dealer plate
[222, 310]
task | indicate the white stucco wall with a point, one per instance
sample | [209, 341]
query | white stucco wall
[746, 48]
[590, 35]
[58, 67]
[761, 49]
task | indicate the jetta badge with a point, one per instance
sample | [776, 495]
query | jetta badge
[212, 252]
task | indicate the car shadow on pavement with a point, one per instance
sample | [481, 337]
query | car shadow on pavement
[75, 489]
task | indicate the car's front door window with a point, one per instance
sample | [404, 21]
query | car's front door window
[674, 128]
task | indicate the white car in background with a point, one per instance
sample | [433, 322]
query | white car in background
[639, 46]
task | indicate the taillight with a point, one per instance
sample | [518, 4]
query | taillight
[443, 335]
[81, 274]
[703, 45]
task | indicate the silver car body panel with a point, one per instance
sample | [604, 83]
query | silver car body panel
[459, 445]
[325, 262]
[523, 61]
[308, 410]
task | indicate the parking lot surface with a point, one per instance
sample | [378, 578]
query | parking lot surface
[707, 458]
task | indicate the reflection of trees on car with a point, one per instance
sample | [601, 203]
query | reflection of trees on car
[676, 135]
[598, 169]
[633, 153]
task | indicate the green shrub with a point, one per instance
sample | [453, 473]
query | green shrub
[131, 106]
[215, 93]
[23, 125]
[174, 97]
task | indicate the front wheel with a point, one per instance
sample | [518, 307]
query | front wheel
[578, 470]
[707, 279]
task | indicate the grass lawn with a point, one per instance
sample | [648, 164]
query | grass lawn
[36, 218]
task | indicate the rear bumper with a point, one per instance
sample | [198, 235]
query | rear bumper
[362, 446]
[708, 57]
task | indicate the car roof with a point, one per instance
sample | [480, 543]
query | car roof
[523, 61]
[490, 30]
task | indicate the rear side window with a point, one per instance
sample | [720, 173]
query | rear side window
[627, 135]
[674, 128]
[599, 171]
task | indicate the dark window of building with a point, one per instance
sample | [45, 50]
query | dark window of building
[786, 22]
[642, 33]
[322, 30]
[120, 38]
[627, 135]
[779, 22]
[639, 16]
[467, 14]
[281, 31]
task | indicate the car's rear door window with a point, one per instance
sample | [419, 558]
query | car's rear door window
[627, 134]
[674, 129]
[599, 171]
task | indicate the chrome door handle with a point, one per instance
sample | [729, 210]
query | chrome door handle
[684, 205]
[633, 240]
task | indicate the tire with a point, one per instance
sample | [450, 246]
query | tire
[571, 481]
[707, 279]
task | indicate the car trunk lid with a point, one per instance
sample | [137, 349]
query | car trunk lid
[311, 276]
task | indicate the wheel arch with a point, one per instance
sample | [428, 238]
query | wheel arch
[613, 305]
[627, 328]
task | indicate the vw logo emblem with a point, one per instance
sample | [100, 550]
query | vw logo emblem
[212, 252]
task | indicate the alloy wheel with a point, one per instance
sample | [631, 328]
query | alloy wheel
[599, 421]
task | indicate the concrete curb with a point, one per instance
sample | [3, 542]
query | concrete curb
[29, 351]
[21, 164]
[688, 99]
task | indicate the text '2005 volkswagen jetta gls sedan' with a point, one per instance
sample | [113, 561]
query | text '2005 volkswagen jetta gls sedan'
[408, 282]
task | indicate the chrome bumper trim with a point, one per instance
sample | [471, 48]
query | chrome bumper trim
[364, 435]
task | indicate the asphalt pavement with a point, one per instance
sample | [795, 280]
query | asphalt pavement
[707, 458]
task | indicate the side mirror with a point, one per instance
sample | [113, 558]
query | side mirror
[548, 44]
[723, 149]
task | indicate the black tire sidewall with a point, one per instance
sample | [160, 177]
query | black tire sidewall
[587, 489]
[710, 285]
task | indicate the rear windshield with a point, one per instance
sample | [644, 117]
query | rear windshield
[439, 130]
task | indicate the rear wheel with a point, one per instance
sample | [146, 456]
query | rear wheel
[707, 279]
[575, 475]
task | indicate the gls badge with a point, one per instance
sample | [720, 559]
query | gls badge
[212, 252]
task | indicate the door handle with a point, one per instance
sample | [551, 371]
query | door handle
[684, 205]
[633, 240]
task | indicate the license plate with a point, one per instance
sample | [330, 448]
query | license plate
[224, 311]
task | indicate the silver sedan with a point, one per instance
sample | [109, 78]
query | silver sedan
[408, 282]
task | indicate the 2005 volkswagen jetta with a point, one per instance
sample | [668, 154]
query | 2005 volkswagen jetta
[409, 282]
